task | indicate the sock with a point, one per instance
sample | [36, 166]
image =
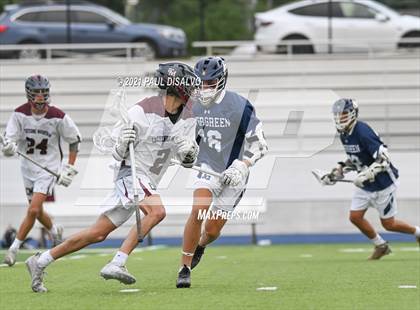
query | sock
[417, 232]
[16, 245]
[45, 259]
[120, 259]
[378, 240]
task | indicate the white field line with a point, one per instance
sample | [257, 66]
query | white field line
[267, 288]
[364, 250]
[95, 250]
[130, 290]
[5, 265]
[306, 255]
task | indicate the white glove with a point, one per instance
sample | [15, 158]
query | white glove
[362, 177]
[346, 166]
[9, 148]
[236, 174]
[332, 177]
[127, 136]
[186, 150]
[67, 174]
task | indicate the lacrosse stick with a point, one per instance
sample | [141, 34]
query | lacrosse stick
[120, 107]
[197, 168]
[2, 142]
[318, 174]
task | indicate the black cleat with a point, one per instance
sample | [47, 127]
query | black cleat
[199, 251]
[184, 277]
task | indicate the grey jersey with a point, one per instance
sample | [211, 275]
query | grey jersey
[227, 130]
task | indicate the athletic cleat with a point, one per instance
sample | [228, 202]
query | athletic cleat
[198, 253]
[37, 274]
[10, 258]
[380, 250]
[184, 277]
[120, 273]
[57, 238]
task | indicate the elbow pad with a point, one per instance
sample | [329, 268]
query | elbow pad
[255, 145]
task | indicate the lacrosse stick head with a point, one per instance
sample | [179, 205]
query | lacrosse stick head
[104, 140]
[318, 174]
[117, 105]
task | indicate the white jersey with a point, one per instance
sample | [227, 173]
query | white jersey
[40, 138]
[156, 131]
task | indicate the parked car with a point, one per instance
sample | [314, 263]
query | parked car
[90, 23]
[356, 26]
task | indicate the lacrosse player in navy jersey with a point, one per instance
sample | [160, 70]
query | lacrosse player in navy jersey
[231, 140]
[376, 180]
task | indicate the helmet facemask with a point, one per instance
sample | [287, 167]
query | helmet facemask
[179, 80]
[213, 73]
[344, 121]
[211, 90]
[38, 98]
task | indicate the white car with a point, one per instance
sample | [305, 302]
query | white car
[357, 25]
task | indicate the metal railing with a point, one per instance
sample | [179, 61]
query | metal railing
[76, 50]
[370, 46]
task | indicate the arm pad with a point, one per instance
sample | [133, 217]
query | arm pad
[255, 145]
[382, 156]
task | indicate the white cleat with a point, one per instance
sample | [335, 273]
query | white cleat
[57, 238]
[37, 274]
[10, 258]
[120, 273]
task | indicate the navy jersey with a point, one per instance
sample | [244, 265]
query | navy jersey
[361, 146]
[221, 129]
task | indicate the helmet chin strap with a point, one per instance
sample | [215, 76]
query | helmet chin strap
[39, 107]
[348, 128]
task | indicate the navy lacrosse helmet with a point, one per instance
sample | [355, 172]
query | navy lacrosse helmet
[37, 89]
[345, 113]
[213, 73]
[178, 79]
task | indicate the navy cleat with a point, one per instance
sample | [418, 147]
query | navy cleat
[184, 277]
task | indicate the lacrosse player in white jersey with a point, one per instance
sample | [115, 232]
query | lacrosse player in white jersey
[159, 130]
[36, 129]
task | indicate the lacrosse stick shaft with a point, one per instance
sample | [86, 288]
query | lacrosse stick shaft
[33, 161]
[344, 181]
[197, 168]
[135, 191]
[124, 117]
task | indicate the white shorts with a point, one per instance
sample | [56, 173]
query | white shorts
[117, 205]
[225, 198]
[384, 201]
[43, 184]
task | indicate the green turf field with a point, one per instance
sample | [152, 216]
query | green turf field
[306, 277]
